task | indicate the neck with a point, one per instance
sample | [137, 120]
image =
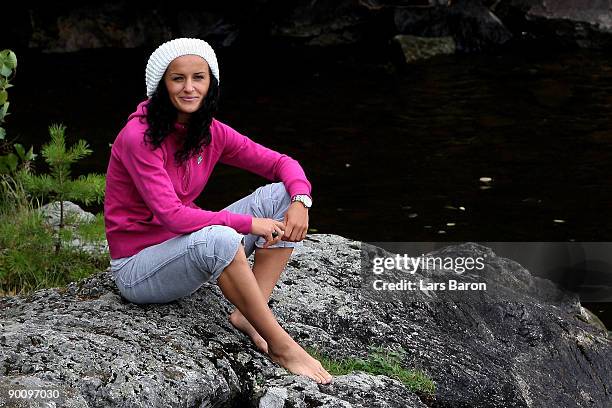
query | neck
[183, 118]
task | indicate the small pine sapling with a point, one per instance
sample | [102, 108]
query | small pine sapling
[58, 185]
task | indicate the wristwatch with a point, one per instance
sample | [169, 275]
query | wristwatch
[302, 198]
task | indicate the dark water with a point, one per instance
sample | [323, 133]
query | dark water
[393, 154]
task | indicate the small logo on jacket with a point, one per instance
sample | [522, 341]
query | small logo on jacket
[199, 159]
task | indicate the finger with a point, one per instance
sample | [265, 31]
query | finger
[288, 232]
[277, 236]
[268, 237]
[295, 234]
[270, 241]
[280, 224]
[302, 233]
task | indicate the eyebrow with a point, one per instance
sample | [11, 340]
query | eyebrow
[195, 73]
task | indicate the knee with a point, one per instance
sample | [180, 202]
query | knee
[214, 247]
[279, 192]
[274, 200]
[240, 256]
[223, 240]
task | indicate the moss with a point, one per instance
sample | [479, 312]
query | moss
[379, 362]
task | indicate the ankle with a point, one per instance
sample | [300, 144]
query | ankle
[282, 346]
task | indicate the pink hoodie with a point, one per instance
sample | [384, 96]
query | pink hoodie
[149, 199]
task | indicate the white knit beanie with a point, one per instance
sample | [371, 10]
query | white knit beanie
[168, 51]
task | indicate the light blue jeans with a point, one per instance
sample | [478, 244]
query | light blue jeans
[177, 267]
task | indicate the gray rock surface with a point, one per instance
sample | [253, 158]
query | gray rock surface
[351, 390]
[533, 349]
[73, 214]
[585, 24]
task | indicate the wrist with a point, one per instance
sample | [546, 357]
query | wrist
[298, 204]
[304, 199]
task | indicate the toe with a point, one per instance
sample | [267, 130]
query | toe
[326, 376]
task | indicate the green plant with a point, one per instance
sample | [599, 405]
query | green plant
[379, 362]
[58, 185]
[12, 194]
[29, 262]
[92, 231]
[28, 259]
[9, 163]
[8, 64]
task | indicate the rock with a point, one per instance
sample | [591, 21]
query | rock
[109, 24]
[418, 48]
[66, 397]
[592, 318]
[564, 22]
[596, 13]
[472, 25]
[120, 24]
[73, 214]
[347, 391]
[482, 350]
[321, 23]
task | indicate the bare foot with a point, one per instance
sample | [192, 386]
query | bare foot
[295, 359]
[241, 323]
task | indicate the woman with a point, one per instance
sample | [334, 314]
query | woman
[164, 247]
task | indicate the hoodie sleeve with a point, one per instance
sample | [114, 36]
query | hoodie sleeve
[242, 152]
[147, 171]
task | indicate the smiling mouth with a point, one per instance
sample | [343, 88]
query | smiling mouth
[189, 99]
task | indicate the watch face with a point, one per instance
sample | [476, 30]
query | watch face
[304, 199]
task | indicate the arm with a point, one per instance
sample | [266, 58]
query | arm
[242, 152]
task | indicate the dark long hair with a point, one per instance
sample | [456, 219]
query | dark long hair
[162, 115]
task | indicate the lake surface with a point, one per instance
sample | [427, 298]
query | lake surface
[512, 146]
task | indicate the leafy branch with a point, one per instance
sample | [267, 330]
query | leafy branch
[8, 64]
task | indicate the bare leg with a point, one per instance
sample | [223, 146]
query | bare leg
[267, 268]
[240, 287]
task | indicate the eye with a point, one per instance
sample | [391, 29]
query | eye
[199, 76]
[178, 78]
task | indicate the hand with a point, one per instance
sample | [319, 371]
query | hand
[296, 222]
[265, 227]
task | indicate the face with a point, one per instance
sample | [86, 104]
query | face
[187, 80]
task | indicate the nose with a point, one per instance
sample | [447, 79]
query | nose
[189, 85]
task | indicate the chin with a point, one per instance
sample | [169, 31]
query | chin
[189, 108]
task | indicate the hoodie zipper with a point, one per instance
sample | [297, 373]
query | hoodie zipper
[186, 176]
